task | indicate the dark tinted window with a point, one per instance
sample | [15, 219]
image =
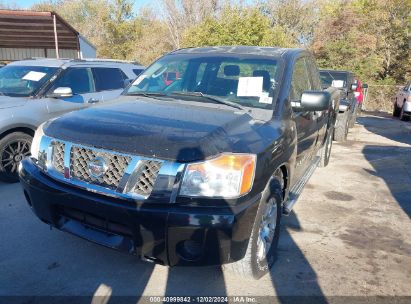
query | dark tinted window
[314, 74]
[137, 71]
[300, 81]
[78, 79]
[108, 79]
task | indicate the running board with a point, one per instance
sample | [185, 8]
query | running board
[298, 188]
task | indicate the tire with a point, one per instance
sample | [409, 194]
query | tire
[341, 127]
[325, 152]
[353, 118]
[258, 262]
[13, 148]
[396, 112]
[402, 116]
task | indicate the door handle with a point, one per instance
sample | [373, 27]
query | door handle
[93, 100]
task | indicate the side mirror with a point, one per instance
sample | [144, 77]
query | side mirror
[61, 92]
[315, 101]
[354, 87]
[339, 84]
[364, 86]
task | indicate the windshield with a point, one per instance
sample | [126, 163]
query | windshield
[327, 78]
[23, 81]
[245, 80]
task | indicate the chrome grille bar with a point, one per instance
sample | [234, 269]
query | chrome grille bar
[133, 176]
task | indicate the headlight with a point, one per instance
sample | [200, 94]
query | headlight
[227, 176]
[35, 144]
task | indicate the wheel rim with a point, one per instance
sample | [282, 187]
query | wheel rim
[267, 230]
[13, 153]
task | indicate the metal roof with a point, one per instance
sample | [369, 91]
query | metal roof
[30, 29]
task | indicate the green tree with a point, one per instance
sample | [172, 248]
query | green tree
[236, 26]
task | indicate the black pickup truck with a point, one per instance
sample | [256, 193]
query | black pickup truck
[348, 106]
[196, 170]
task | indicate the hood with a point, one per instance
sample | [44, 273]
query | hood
[11, 102]
[173, 130]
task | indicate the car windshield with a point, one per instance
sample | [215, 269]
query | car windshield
[236, 80]
[327, 78]
[23, 81]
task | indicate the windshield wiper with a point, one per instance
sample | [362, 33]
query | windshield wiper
[210, 97]
[146, 94]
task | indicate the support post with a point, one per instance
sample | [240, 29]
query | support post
[56, 43]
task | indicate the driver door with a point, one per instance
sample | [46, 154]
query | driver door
[81, 82]
[306, 121]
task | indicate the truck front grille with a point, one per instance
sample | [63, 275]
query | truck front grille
[147, 178]
[58, 156]
[115, 177]
[80, 158]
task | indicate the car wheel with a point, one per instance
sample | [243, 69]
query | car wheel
[341, 127]
[13, 148]
[396, 112]
[262, 247]
[353, 118]
[325, 152]
[403, 117]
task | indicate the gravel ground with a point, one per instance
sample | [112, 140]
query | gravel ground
[348, 236]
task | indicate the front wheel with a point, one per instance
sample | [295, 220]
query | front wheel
[341, 127]
[13, 148]
[262, 247]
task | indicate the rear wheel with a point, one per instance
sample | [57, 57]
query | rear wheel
[396, 112]
[262, 247]
[341, 127]
[325, 152]
[13, 148]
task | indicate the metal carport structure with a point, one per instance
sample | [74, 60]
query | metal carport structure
[25, 34]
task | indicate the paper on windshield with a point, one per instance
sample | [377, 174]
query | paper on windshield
[337, 83]
[265, 99]
[250, 86]
[34, 76]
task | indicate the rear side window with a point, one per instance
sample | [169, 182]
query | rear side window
[300, 81]
[78, 79]
[108, 79]
[137, 71]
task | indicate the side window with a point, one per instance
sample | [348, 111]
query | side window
[137, 71]
[300, 81]
[78, 79]
[314, 74]
[108, 79]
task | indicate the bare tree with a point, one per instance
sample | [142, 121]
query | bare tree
[179, 15]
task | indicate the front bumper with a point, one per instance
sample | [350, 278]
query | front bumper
[166, 233]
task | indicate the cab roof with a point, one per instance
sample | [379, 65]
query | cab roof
[66, 62]
[246, 50]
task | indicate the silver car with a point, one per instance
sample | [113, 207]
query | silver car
[33, 91]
